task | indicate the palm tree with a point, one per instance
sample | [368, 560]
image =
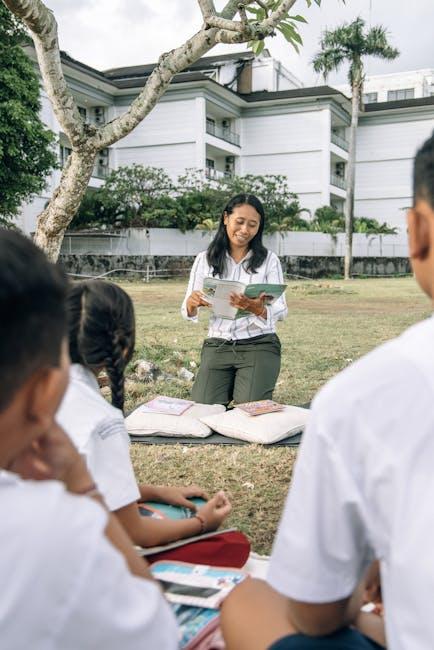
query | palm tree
[350, 43]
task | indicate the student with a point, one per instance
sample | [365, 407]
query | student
[363, 488]
[101, 336]
[69, 575]
[240, 359]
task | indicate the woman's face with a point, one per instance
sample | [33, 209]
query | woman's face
[242, 225]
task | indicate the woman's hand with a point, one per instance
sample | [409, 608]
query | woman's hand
[195, 300]
[254, 305]
[215, 511]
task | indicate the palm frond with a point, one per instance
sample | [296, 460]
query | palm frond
[376, 44]
[328, 61]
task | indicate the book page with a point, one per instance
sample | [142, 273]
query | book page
[195, 584]
[218, 292]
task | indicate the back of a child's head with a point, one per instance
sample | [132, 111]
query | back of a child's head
[101, 330]
[423, 173]
[32, 313]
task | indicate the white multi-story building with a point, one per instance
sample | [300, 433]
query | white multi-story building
[236, 114]
[395, 86]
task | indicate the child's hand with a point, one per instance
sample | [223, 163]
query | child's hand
[179, 496]
[215, 511]
[53, 456]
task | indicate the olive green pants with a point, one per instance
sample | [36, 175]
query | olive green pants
[243, 371]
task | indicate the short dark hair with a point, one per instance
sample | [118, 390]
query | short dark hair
[423, 172]
[219, 247]
[101, 328]
[32, 312]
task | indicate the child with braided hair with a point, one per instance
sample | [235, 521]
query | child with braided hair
[102, 336]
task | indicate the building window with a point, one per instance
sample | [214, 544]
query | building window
[210, 163]
[370, 98]
[64, 153]
[404, 93]
[83, 112]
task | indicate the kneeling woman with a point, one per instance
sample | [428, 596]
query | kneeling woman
[240, 359]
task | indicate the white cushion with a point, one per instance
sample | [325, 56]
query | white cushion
[263, 429]
[188, 424]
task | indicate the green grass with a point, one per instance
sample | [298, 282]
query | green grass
[329, 324]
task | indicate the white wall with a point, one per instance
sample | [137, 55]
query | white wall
[166, 138]
[171, 242]
[385, 153]
[296, 145]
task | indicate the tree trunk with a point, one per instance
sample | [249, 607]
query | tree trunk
[54, 220]
[351, 179]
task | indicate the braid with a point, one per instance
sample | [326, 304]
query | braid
[102, 331]
[115, 367]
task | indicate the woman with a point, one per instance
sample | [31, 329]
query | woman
[240, 359]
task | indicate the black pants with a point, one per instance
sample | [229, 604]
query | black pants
[244, 371]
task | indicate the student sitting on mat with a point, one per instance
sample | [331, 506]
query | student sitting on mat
[70, 577]
[240, 359]
[363, 488]
[101, 336]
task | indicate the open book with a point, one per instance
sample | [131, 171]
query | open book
[197, 585]
[217, 293]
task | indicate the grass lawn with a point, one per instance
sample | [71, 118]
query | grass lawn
[330, 324]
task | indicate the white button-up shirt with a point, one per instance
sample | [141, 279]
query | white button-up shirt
[248, 326]
[98, 431]
[63, 585]
[363, 488]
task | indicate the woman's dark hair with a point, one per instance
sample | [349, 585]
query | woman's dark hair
[101, 330]
[216, 253]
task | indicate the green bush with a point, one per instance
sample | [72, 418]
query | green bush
[138, 196]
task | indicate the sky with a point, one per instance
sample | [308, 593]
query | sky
[117, 33]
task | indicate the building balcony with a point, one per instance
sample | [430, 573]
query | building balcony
[216, 174]
[338, 181]
[339, 141]
[222, 133]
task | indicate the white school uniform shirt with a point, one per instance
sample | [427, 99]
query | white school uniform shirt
[63, 585]
[363, 488]
[242, 328]
[98, 431]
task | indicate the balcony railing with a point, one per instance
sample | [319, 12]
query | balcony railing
[338, 181]
[216, 174]
[223, 133]
[339, 141]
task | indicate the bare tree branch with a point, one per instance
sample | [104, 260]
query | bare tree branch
[278, 15]
[207, 8]
[169, 64]
[43, 27]
[233, 31]
[224, 23]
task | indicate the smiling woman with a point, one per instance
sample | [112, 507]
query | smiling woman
[240, 359]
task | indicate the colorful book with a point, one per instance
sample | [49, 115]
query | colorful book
[167, 405]
[158, 510]
[195, 624]
[196, 585]
[217, 293]
[260, 407]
